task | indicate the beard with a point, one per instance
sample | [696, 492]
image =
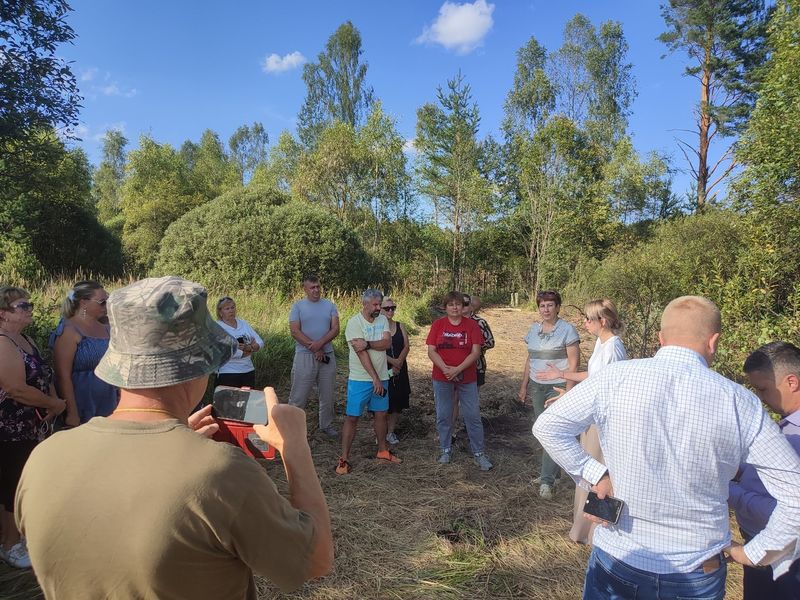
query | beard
[375, 314]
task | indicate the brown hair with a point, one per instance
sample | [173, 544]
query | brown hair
[453, 296]
[550, 295]
[9, 294]
[604, 309]
[83, 290]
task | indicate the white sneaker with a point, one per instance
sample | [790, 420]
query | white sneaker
[545, 491]
[17, 556]
[391, 438]
[444, 457]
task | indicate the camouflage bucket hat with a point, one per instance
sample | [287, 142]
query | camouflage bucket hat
[162, 334]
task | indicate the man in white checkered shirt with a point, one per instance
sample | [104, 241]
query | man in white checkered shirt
[673, 434]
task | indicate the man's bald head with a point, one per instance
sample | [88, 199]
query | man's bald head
[693, 322]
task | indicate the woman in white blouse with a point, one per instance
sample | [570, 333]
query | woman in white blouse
[601, 319]
[239, 370]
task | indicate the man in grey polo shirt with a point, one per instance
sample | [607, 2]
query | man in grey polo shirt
[314, 322]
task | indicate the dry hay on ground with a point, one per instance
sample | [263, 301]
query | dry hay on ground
[420, 530]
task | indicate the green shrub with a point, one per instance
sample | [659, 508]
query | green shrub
[255, 238]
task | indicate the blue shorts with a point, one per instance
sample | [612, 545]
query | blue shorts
[360, 395]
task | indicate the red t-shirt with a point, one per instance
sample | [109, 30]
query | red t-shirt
[454, 343]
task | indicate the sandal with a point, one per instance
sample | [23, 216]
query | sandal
[388, 457]
[343, 468]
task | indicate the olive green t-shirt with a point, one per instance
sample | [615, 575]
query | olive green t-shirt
[121, 509]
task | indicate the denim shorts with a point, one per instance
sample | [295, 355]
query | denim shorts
[361, 395]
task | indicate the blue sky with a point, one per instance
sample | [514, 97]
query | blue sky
[175, 69]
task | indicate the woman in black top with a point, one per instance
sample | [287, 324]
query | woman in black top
[399, 385]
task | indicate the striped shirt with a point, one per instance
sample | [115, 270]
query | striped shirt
[673, 434]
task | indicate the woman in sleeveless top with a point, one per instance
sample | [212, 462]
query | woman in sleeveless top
[399, 385]
[601, 320]
[28, 401]
[79, 342]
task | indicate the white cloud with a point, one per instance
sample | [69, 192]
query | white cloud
[88, 74]
[459, 27]
[101, 132]
[113, 89]
[274, 63]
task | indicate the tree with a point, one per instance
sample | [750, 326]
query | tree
[724, 40]
[336, 172]
[770, 147]
[210, 171]
[50, 227]
[532, 96]
[336, 88]
[448, 164]
[248, 146]
[157, 190]
[38, 91]
[108, 181]
[280, 169]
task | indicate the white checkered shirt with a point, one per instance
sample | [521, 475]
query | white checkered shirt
[673, 434]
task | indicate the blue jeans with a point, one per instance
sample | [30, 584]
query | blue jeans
[610, 579]
[541, 392]
[469, 404]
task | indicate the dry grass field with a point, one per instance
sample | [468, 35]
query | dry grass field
[420, 530]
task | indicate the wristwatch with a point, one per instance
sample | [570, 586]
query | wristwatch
[368, 346]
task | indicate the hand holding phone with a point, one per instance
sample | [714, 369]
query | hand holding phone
[237, 410]
[608, 509]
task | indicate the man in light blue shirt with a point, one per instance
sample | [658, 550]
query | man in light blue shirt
[774, 373]
[673, 434]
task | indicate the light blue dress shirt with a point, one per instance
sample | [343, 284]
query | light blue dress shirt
[673, 434]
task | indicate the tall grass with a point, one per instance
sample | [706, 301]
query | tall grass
[266, 311]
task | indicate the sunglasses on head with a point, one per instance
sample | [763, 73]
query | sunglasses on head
[389, 307]
[23, 306]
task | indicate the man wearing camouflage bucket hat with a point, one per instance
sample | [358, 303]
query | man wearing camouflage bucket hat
[138, 505]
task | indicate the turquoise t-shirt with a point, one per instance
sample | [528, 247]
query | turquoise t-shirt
[359, 327]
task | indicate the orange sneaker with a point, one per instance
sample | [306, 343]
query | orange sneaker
[343, 468]
[388, 457]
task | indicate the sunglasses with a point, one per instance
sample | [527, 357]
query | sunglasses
[389, 308]
[100, 302]
[23, 306]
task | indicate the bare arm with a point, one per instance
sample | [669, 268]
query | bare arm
[551, 372]
[523, 386]
[286, 431]
[573, 360]
[12, 380]
[299, 336]
[64, 356]
[473, 356]
[406, 346]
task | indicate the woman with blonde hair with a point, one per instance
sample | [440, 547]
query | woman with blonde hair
[602, 320]
[79, 342]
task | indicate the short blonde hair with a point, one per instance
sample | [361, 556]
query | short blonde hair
[221, 302]
[690, 316]
[604, 309]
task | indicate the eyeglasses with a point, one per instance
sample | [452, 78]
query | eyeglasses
[392, 308]
[23, 306]
[100, 302]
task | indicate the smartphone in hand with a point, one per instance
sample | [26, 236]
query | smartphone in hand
[236, 411]
[608, 509]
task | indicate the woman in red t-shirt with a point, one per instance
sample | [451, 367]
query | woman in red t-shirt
[454, 345]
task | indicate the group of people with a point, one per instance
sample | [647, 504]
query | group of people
[169, 513]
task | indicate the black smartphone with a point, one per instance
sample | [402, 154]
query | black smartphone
[326, 359]
[240, 339]
[608, 509]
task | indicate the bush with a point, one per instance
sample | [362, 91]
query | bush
[256, 238]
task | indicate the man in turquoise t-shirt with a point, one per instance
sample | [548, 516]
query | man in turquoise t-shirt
[368, 335]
